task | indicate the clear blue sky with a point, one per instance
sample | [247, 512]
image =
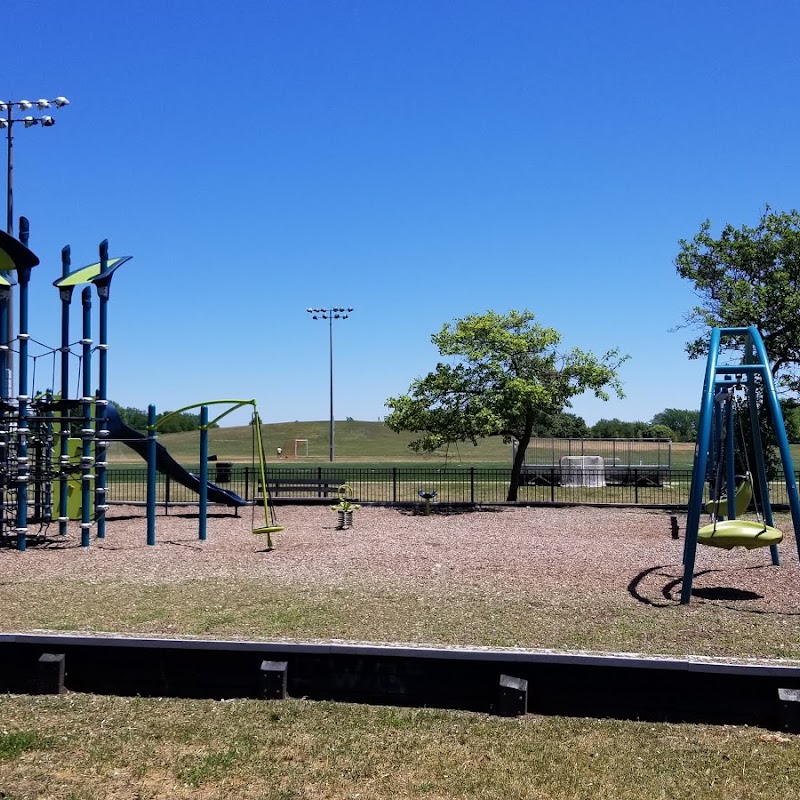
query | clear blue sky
[417, 160]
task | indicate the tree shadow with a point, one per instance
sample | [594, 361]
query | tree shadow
[445, 510]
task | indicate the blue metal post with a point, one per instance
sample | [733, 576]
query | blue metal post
[5, 354]
[5, 411]
[771, 398]
[87, 431]
[699, 468]
[151, 475]
[203, 472]
[101, 426]
[65, 294]
[23, 477]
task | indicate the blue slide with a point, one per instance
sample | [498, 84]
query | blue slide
[165, 463]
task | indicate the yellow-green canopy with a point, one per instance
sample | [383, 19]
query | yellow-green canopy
[86, 274]
[14, 254]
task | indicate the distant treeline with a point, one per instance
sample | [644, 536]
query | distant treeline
[137, 419]
[675, 424]
[680, 425]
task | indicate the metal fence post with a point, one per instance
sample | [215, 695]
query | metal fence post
[472, 484]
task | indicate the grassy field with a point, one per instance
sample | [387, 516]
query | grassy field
[93, 748]
[365, 442]
[356, 442]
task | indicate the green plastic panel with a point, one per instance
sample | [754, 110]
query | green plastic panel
[84, 274]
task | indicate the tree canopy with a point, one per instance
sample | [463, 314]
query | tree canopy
[506, 373]
[137, 418]
[749, 276]
[682, 422]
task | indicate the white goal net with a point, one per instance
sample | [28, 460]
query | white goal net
[583, 471]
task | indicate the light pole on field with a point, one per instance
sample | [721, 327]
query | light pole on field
[7, 107]
[330, 314]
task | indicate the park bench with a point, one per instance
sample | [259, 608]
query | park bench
[303, 488]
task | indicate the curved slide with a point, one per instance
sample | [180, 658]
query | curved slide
[165, 463]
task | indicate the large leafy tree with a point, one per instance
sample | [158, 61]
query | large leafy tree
[749, 276]
[505, 373]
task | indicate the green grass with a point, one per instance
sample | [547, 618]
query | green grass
[371, 442]
[295, 750]
[14, 743]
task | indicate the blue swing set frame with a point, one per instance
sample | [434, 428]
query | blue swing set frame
[718, 376]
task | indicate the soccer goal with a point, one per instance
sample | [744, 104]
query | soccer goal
[583, 471]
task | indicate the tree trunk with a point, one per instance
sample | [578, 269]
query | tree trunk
[519, 459]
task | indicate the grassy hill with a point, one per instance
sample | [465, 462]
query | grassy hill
[355, 441]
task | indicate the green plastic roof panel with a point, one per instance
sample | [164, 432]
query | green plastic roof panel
[14, 254]
[91, 273]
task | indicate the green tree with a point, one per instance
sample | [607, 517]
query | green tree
[659, 432]
[791, 419]
[505, 371]
[682, 422]
[617, 429]
[137, 419]
[748, 276]
[561, 425]
[134, 417]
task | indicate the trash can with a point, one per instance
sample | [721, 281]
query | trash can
[223, 474]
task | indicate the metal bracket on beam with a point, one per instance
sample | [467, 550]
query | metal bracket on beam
[512, 696]
[272, 680]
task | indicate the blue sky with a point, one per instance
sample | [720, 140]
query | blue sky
[418, 161]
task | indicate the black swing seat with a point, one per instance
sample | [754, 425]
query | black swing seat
[731, 533]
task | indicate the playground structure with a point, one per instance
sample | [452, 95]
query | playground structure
[715, 455]
[159, 460]
[53, 448]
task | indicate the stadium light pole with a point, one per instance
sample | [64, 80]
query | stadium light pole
[8, 121]
[330, 314]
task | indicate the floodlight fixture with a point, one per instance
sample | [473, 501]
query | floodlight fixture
[24, 105]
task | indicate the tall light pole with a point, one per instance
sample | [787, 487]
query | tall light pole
[330, 314]
[46, 121]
